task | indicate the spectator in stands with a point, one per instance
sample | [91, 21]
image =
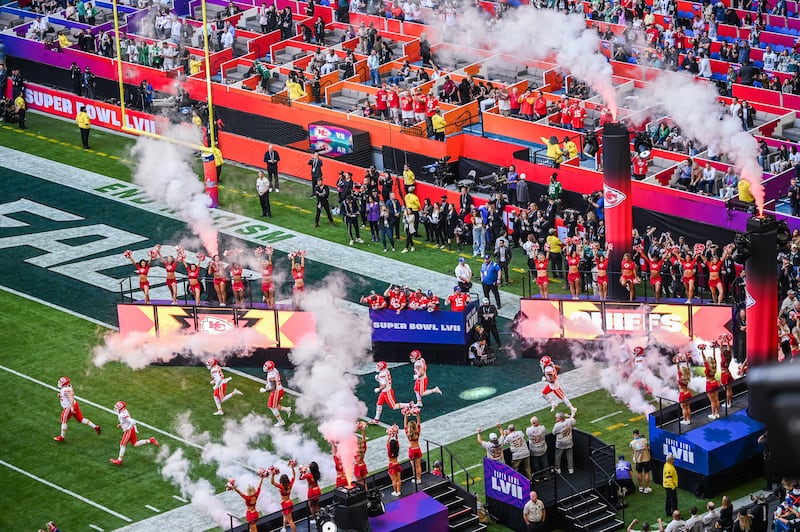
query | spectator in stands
[710, 517]
[520, 454]
[729, 184]
[745, 196]
[670, 484]
[645, 526]
[534, 514]
[641, 457]
[564, 442]
[695, 521]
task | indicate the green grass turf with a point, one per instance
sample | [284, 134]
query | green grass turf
[292, 208]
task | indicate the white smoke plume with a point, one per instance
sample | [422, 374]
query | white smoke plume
[164, 170]
[175, 467]
[321, 374]
[545, 35]
[694, 106]
[140, 349]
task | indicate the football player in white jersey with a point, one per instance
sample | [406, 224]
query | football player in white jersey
[70, 408]
[421, 377]
[550, 376]
[129, 432]
[275, 389]
[384, 391]
[220, 384]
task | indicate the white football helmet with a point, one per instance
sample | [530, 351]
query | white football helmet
[269, 365]
[63, 381]
[120, 406]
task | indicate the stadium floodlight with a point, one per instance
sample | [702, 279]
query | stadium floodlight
[126, 128]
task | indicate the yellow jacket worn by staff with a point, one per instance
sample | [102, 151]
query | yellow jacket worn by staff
[295, 90]
[744, 191]
[83, 120]
[669, 476]
[553, 149]
[439, 123]
[554, 243]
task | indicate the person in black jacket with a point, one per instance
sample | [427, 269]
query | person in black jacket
[271, 159]
[351, 219]
[76, 76]
[321, 193]
[488, 315]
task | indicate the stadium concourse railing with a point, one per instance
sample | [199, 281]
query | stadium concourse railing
[663, 420]
[455, 466]
[643, 288]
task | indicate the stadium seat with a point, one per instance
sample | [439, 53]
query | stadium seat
[632, 60]
[758, 64]
[718, 77]
[715, 55]
[793, 31]
[777, 48]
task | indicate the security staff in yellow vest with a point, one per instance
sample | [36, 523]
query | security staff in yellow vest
[84, 125]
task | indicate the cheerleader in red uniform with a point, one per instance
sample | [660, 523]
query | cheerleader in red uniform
[360, 468]
[142, 269]
[629, 278]
[573, 274]
[726, 377]
[689, 266]
[217, 269]
[170, 265]
[413, 428]
[655, 265]
[285, 489]
[393, 453]
[193, 274]
[715, 284]
[250, 497]
[312, 475]
[601, 261]
[237, 283]
[541, 273]
[341, 477]
[298, 274]
[267, 286]
[712, 384]
[684, 394]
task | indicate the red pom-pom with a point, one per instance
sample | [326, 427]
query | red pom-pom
[292, 462]
[261, 472]
[128, 253]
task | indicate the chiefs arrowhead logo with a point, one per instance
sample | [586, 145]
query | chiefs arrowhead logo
[749, 301]
[214, 325]
[612, 197]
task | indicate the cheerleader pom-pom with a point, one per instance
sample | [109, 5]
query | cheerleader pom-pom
[272, 470]
[227, 253]
[610, 246]
[547, 247]
[292, 462]
[406, 410]
[261, 472]
[157, 248]
[201, 257]
[153, 253]
[393, 431]
[301, 252]
[702, 347]
[292, 255]
[302, 469]
[231, 485]
[128, 253]
[268, 250]
[180, 249]
[259, 251]
[414, 410]
[181, 256]
[699, 248]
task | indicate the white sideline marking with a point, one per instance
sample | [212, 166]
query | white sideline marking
[607, 416]
[68, 492]
[62, 309]
[95, 527]
[152, 508]
[470, 468]
[101, 407]
[179, 499]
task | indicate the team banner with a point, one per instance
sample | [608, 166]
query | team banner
[101, 114]
[421, 327]
[589, 320]
[505, 484]
[283, 329]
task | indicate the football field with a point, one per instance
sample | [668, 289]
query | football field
[62, 235]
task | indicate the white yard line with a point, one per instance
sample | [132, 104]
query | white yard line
[66, 491]
[152, 508]
[95, 527]
[181, 499]
[607, 416]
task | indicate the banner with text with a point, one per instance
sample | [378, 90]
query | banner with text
[65, 105]
[421, 327]
[505, 484]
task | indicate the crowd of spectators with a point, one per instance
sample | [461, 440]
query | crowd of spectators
[399, 298]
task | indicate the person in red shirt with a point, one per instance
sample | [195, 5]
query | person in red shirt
[382, 103]
[432, 301]
[458, 300]
[715, 284]
[285, 489]
[541, 262]
[684, 393]
[250, 496]
[605, 116]
[574, 274]
[651, 36]
[417, 300]
[726, 377]
[374, 301]
[394, 105]
[396, 298]
[655, 266]
[578, 117]
[639, 167]
[341, 477]
[539, 106]
[420, 103]
[680, 39]
[629, 278]
[170, 265]
[526, 105]
[142, 270]
[407, 109]
[566, 113]
[393, 453]
[513, 99]
[431, 106]
[312, 475]
[712, 384]
[602, 274]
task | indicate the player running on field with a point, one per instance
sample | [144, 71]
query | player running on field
[421, 377]
[220, 384]
[550, 376]
[70, 408]
[129, 432]
[275, 389]
[384, 391]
